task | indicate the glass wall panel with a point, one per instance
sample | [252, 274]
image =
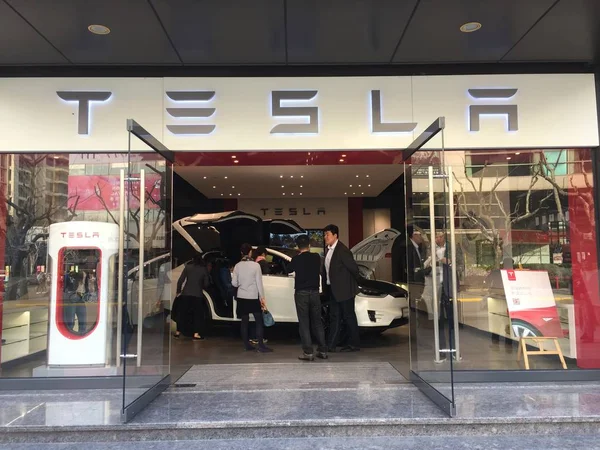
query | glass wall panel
[527, 266]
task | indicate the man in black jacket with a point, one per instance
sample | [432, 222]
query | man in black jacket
[341, 276]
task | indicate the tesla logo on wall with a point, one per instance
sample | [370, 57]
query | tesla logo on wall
[293, 211]
[192, 111]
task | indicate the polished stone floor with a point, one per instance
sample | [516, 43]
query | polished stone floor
[328, 392]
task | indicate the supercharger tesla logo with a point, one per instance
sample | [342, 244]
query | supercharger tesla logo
[193, 111]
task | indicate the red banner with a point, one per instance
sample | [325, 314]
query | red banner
[101, 192]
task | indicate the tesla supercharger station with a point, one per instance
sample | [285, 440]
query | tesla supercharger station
[83, 267]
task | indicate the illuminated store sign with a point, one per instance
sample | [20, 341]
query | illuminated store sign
[192, 111]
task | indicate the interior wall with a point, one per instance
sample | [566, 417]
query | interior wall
[307, 212]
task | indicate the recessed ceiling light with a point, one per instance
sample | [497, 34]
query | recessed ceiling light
[291, 176]
[205, 178]
[367, 176]
[362, 193]
[230, 195]
[343, 156]
[280, 176]
[301, 186]
[225, 177]
[300, 193]
[508, 157]
[214, 187]
[239, 194]
[233, 157]
[292, 193]
[369, 185]
[354, 193]
[345, 193]
[232, 187]
[301, 176]
[517, 153]
[356, 176]
[360, 185]
[282, 186]
[469, 27]
[284, 193]
[236, 161]
[342, 160]
[99, 29]
[221, 195]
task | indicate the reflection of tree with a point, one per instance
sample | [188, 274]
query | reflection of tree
[154, 207]
[489, 205]
[36, 208]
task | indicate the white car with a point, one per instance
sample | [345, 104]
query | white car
[379, 305]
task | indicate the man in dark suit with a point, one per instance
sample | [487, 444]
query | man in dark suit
[341, 277]
[415, 271]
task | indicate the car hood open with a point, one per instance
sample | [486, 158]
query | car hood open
[371, 250]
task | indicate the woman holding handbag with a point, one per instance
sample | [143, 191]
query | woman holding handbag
[247, 278]
[190, 302]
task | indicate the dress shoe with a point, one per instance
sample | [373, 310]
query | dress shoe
[306, 357]
[322, 355]
[350, 348]
[255, 341]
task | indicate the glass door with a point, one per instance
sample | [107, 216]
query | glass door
[145, 259]
[430, 267]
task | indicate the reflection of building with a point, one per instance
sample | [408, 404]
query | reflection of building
[39, 182]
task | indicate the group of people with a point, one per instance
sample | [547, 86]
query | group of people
[338, 271]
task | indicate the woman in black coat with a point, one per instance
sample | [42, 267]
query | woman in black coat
[190, 303]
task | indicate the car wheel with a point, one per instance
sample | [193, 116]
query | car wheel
[523, 329]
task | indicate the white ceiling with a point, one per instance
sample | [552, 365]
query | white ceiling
[304, 181]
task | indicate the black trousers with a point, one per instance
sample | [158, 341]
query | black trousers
[190, 315]
[338, 311]
[260, 329]
[308, 307]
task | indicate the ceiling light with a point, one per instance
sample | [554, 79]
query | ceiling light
[360, 185]
[369, 185]
[221, 195]
[282, 186]
[508, 157]
[214, 187]
[367, 176]
[291, 176]
[300, 193]
[469, 27]
[292, 193]
[236, 161]
[225, 177]
[345, 193]
[280, 176]
[300, 185]
[232, 187]
[350, 185]
[239, 194]
[205, 178]
[362, 193]
[343, 156]
[233, 157]
[301, 176]
[356, 176]
[518, 153]
[284, 193]
[99, 29]
[341, 160]
[354, 193]
[230, 195]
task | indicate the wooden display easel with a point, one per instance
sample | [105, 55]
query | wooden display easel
[539, 341]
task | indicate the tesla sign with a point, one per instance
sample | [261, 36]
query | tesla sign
[192, 112]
